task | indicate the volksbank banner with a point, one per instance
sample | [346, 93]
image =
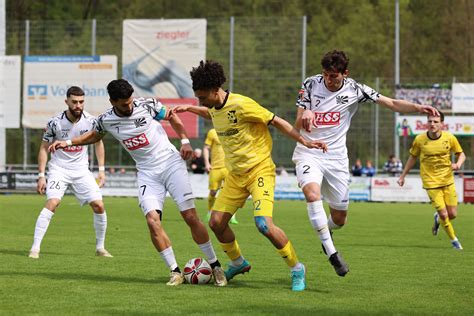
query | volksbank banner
[47, 78]
[414, 125]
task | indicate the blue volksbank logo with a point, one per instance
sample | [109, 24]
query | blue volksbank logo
[40, 92]
[37, 91]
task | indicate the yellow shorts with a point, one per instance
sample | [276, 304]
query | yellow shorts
[441, 197]
[259, 182]
[216, 176]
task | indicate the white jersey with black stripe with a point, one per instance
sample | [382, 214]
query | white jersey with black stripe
[333, 112]
[140, 134]
[60, 127]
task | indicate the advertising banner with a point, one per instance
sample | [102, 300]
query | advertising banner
[414, 125]
[10, 91]
[463, 97]
[386, 189]
[158, 55]
[469, 190]
[47, 78]
[359, 189]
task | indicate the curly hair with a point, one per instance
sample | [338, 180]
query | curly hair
[119, 89]
[208, 75]
[335, 60]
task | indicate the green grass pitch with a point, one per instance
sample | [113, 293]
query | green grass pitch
[396, 265]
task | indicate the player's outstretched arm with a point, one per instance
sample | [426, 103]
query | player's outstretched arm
[410, 164]
[403, 106]
[186, 150]
[293, 133]
[42, 160]
[304, 119]
[205, 154]
[199, 110]
[90, 137]
[100, 155]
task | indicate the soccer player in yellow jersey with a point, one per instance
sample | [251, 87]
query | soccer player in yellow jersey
[436, 170]
[213, 152]
[242, 127]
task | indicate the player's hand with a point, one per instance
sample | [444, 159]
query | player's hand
[401, 181]
[307, 120]
[41, 185]
[428, 109]
[101, 179]
[207, 167]
[57, 144]
[316, 144]
[180, 108]
[455, 166]
[186, 151]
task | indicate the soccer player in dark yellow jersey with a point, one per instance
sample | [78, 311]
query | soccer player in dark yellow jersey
[436, 170]
[242, 127]
[214, 163]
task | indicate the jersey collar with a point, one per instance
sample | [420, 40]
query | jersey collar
[225, 100]
[428, 135]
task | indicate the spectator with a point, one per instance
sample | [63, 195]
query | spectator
[357, 168]
[197, 163]
[369, 169]
[393, 166]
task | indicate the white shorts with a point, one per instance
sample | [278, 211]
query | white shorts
[82, 183]
[331, 175]
[152, 187]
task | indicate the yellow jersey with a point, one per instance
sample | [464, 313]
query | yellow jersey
[242, 127]
[217, 152]
[435, 158]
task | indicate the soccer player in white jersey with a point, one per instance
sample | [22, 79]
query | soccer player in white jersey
[325, 106]
[161, 168]
[70, 168]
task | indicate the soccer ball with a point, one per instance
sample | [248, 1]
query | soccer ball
[197, 271]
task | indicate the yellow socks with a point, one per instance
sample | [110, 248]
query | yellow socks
[448, 228]
[232, 250]
[288, 254]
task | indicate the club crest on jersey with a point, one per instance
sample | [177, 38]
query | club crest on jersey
[326, 118]
[342, 99]
[231, 117]
[140, 122]
[136, 142]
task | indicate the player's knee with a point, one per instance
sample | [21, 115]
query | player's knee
[262, 224]
[98, 206]
[52, 204]
[312, 196]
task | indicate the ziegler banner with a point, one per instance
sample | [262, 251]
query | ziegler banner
[414, 125]
[47, 78]
[157, 56]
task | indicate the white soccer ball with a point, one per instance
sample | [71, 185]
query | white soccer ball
[197, 271]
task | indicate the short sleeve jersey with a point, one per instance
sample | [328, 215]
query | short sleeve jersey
[242, 127]
[61, 128]
[217, 152]
[140, 134]
[435, 158]
[333, 112]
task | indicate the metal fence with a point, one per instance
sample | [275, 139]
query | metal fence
[264, 58]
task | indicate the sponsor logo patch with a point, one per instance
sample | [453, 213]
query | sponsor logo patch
[136, 142]
[326, 118]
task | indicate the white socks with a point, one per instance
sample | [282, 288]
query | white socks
[100, 226]
[41, 227]
[209, 251]
[319, 221]
[168, 257]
